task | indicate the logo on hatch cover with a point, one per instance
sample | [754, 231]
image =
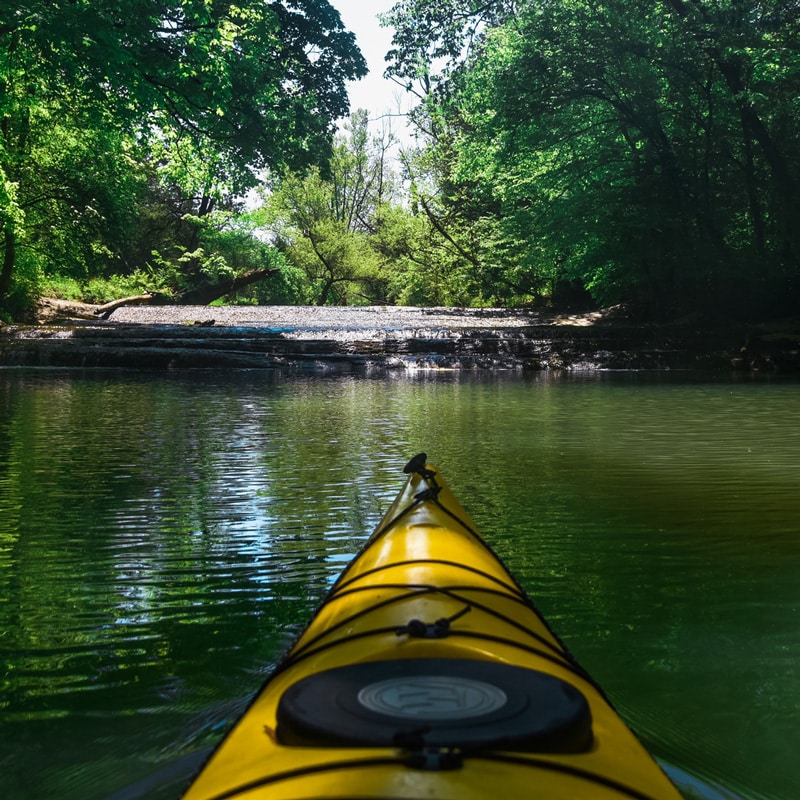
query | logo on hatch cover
[433, 697]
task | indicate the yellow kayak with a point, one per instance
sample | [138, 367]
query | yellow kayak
[428, 673]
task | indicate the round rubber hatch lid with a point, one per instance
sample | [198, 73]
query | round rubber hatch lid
[435, 703]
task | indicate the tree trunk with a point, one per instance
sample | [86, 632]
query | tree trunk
[9, 259]
[149, 299]
[203, 295]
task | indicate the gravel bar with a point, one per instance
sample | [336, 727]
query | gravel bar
[342, 319]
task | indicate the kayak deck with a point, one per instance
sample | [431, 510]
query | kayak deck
[428, 672]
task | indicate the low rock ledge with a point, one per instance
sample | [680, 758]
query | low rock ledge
[361, 339]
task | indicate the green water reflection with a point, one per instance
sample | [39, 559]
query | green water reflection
[162, 539]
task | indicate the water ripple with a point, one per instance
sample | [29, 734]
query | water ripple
[163, 539]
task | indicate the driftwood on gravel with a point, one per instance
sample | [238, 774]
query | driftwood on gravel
[150, 298]
[50, 309]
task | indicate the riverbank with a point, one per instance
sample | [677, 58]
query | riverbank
[363, 339]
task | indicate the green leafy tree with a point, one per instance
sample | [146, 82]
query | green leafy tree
[648, 150]
[432, 40]
[253, 85]
[420, 268]
[324, 221]
[471, 261]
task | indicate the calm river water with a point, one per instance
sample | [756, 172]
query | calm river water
[163, 538]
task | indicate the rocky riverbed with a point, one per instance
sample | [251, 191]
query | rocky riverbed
[378, 338]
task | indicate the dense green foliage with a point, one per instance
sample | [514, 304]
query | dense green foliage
[638, 152]
[648, 150]
[353, 240]
[118, 118]
[322, 220]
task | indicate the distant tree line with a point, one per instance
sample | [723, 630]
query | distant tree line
[644, 152]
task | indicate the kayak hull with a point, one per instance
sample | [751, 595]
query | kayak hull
[429, 673]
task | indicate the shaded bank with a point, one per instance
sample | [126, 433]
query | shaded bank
[396, 338]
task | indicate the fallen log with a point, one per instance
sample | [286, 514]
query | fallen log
[203, 295]
[51, 309]
[150, 298]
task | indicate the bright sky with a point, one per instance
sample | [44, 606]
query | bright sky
[379, 96]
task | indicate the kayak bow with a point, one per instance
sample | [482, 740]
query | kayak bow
[429, 673]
